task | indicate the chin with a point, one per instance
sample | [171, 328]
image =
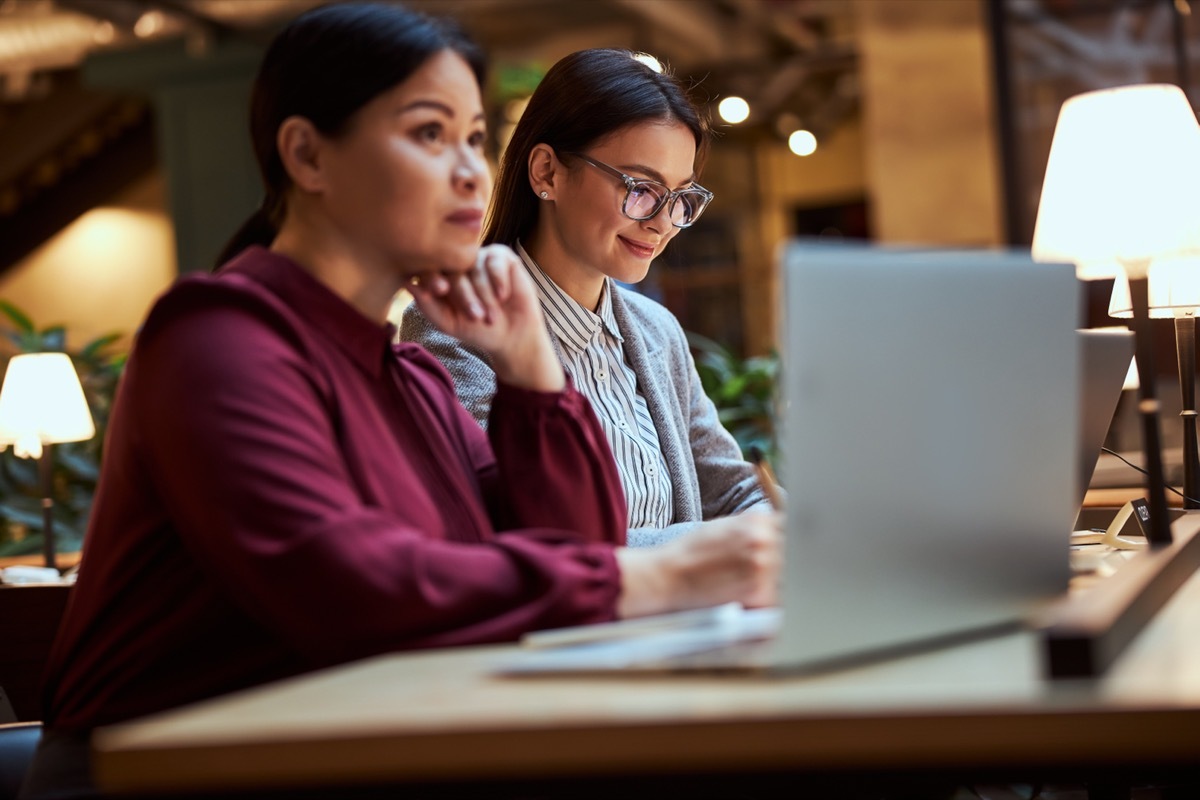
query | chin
[453, 261]
[630, 274]
[460, 261]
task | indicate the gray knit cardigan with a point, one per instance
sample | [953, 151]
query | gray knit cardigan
[709, 477]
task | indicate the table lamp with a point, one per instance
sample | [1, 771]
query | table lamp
[1122, 190]
[1174, 293]
[42, 404]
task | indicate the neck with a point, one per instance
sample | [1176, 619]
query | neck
[581, 284]
[361, 278]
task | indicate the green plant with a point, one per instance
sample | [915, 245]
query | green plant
[77, 464]
[742, 389]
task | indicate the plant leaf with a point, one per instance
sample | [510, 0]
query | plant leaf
[18, 317]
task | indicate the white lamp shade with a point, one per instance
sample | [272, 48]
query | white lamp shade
[42, 402]
[1174, 290]
[1122, 184]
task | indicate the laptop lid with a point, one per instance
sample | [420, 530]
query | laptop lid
[1106, 355]
[930, 445]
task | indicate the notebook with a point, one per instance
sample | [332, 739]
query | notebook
[931, 430]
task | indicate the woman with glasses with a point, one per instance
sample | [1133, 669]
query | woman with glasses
[600, 174]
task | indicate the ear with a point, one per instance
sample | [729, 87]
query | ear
[300, 149]
[544, 169]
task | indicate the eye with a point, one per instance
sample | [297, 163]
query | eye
[652, 192]
[477, 139]
[430, 133]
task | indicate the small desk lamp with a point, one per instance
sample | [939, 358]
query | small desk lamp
[1122, 189]
[42, 404]
[1174, 292]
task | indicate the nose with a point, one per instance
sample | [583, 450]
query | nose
[470, 170]
[660, 223]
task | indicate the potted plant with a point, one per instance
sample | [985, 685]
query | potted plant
[743, 390]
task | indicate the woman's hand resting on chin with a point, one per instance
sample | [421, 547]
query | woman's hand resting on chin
[494, 307]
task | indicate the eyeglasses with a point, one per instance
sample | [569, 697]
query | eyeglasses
[644, 198]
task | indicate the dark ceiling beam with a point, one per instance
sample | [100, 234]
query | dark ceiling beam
[190, 15]
[92, 183]
[699, 28]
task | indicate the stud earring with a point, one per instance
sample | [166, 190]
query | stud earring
[544, 194]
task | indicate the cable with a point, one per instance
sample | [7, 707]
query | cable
[1168, 487]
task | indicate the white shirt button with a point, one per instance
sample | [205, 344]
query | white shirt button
[651, 471]
[623, 425]
[601, 375]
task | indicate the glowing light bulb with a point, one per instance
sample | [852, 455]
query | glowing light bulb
[650, 61]
[802, 143]
[733, 109]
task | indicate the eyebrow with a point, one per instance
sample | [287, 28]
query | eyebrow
[653, 173]
[436, 105]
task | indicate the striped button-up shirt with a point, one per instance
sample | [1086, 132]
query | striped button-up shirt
[593, 357]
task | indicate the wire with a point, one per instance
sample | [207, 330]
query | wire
[1166, 486]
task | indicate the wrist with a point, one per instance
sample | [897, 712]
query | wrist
[535, 368]
[644, 582]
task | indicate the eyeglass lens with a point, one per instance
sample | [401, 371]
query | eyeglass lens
[645, 200]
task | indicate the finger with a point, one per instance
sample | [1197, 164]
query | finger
[463, 296]
[432, 283]
[434, 309]
[499, 263]
[481, 282]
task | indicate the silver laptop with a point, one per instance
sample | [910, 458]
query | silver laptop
[1106, 354]
[931, 430]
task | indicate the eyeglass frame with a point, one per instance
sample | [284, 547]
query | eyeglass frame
[668, 199]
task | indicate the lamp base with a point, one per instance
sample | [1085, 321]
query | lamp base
[1185, 349]
[46, 466]
[1159, 533]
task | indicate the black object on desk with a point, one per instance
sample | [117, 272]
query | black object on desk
[1083, 635]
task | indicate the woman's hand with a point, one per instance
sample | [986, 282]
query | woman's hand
[494, 307]
[729, 559]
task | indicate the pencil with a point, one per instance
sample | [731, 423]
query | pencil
[766, 478]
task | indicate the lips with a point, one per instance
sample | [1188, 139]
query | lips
[637, 248]
[469, 217]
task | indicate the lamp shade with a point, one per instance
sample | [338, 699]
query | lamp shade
[1174, 290]
[1122, 183]
[42, 402]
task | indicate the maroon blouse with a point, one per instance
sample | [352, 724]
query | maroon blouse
[283, 489]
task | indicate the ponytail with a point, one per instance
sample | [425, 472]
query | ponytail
[257, 230]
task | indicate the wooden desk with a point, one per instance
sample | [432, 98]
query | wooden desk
[441, 716]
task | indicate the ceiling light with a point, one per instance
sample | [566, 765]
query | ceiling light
[149, 24]
[802, 143]
[733, 109]
[649, 60]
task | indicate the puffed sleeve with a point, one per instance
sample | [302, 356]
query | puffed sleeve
[241, 439]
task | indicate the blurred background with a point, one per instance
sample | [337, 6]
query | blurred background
[124, 158]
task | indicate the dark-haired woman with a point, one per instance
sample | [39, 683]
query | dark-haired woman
[599, 175]
[284, 490]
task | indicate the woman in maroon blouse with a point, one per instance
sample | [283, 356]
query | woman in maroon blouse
[282, 488]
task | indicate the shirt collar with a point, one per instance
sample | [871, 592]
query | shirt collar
[574, 325]
[366, 342]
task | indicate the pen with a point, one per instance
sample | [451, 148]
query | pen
[766, 478]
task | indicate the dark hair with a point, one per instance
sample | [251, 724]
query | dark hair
[325, 65]
[583, 98]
